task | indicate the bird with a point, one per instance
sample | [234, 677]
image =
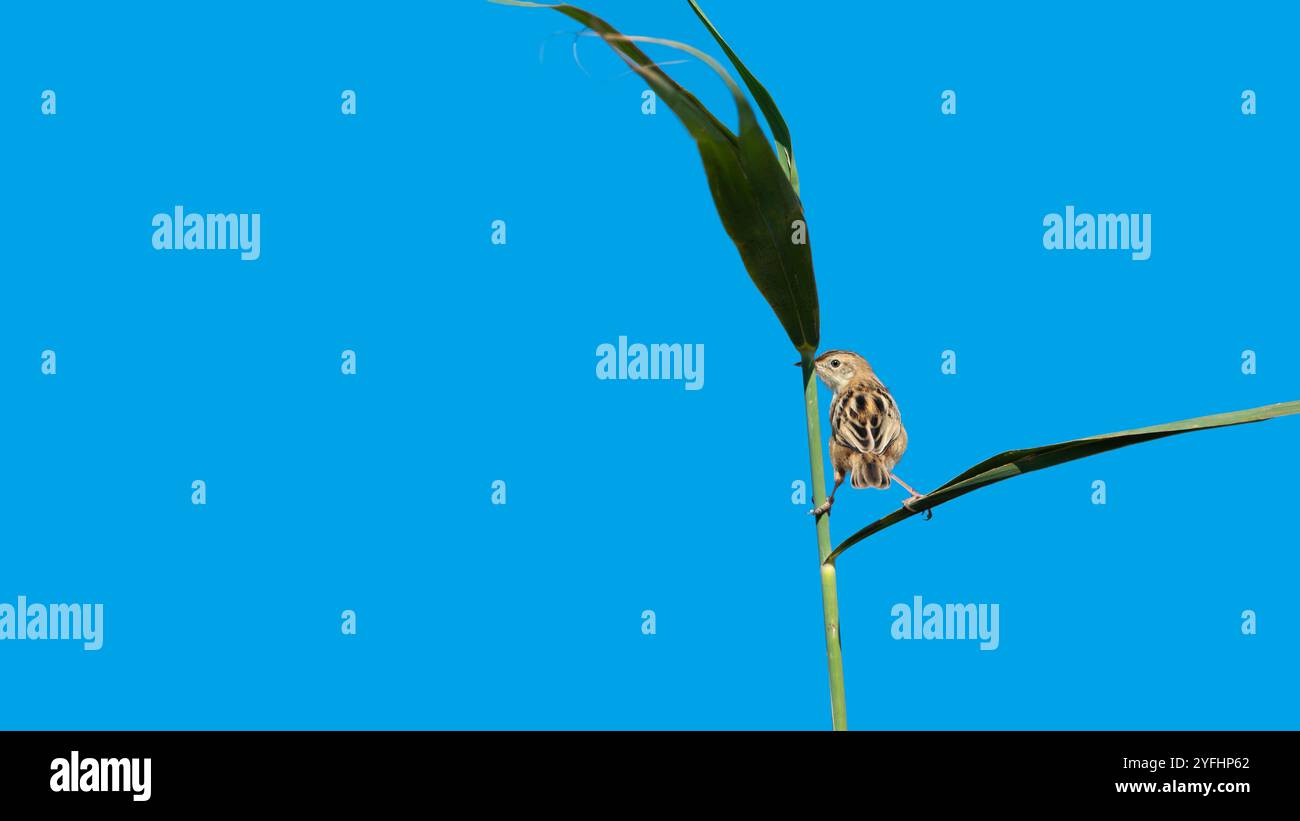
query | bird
[867, 434]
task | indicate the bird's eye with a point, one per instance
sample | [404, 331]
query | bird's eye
[835, 363]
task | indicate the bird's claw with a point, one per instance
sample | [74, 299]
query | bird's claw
[824, 507]
[907, 503]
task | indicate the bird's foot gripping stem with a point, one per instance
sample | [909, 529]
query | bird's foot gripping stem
[824, 507]
[907, 503]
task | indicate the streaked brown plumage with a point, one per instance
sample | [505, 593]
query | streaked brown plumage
[867, 434]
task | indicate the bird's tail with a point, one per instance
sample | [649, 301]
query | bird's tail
[868, 472]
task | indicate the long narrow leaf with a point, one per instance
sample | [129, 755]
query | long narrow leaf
[780, 131]
[754, 197]
[1016, 462]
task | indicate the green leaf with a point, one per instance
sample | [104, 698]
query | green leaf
[754, 197]
[780, 132]
[1015, 462]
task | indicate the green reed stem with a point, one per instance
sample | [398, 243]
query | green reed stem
[830, 598]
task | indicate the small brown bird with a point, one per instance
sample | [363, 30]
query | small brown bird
[867, 435]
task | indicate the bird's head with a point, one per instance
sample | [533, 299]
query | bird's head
[839, 368]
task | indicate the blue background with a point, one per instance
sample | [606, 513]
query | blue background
[476, 363]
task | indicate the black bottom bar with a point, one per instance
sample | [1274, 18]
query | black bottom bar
[570, 770]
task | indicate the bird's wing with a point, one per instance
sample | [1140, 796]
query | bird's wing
[865, 417]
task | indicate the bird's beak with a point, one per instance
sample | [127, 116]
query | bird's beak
[797, 364]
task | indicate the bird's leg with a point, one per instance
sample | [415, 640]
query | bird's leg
[907, 503]
[906, 487]
[825, 507]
